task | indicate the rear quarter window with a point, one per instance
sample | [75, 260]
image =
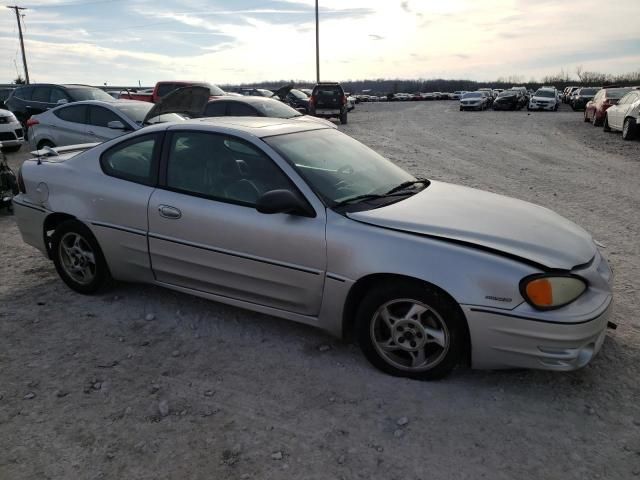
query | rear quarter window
[74, 113]
[133, 160]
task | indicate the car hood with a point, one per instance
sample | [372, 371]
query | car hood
[189, 101]
[487, 220]
[310, 119]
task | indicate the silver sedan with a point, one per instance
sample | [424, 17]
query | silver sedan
[303, 222]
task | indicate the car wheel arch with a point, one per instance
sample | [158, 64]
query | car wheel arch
[360, 288]
[50, 224]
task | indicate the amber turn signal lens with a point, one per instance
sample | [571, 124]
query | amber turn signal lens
[540, 292]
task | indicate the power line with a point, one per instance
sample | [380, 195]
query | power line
[24, 56]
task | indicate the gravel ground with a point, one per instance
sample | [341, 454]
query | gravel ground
[144, 383]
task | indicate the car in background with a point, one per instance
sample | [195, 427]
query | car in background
[11, 132]
[329, 101]
[4, 94]
[568, 92]
[582, 96]
[308, 91]
[624, 115]
[474, 101]
[509, 100]
[255, 92]
[545, 98]
[457, 94]
[595, 109]
[164, 88]
[253, 107]
[293, 97]
[90, 122]
[28, 100]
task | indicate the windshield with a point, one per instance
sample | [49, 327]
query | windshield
[472, 95]
[617, 93]
[508, 93]
[79, 94]
[336, 166]
[137, 111]
[276, 109]
[545, 93]
[589, 91]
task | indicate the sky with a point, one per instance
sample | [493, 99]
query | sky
[123, 42]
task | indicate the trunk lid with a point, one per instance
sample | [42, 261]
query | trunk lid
[189, 101]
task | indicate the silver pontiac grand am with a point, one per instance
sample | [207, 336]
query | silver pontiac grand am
[301, 221]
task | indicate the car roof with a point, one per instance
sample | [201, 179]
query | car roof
[257, 126]
[106, 103]
[243, 99]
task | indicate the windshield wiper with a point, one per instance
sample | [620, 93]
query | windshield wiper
[367, 196]
[405, 185]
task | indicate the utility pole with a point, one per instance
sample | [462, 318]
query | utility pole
[317, 46]
[24, 56]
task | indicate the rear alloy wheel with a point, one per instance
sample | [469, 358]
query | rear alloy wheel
[78, 258]
[629, 129]
[605, 125]
[410, 330]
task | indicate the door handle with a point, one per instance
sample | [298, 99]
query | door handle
[170, 212]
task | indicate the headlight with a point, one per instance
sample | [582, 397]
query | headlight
[547, 292]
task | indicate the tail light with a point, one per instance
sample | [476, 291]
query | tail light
[21, 185]
[344, 99]
[32, 121]
[312, 100]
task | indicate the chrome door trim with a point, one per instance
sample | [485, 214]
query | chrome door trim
[232, 253]
[135, 231]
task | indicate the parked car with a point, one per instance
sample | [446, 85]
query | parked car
[623, 116]
[303, 222]
[28, 100]
[255, 92]
[252, 107]
[568, 92]
[4, 94]
[544, 99]
[595, 109]
[90, 121]
[11, 132]
[509, 100]
[457, 94]
[474, 101]
[582, 96]
[164, 88]
[293, 97]
[329, 101]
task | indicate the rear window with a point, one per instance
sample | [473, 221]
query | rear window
[167, 88]
[328, 91]
[617, 93]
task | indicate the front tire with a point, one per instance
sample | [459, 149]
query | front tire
[78, 258]
[412, 330]
[629, 129]
[605, 125]
[343, 119]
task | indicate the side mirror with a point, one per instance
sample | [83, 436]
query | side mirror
[284, 201]
[62, 101]
[116, 125]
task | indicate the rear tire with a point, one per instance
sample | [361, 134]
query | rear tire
[409, 329]
[605, 125]
[45, 143]
[343, 119]
[78, 258]
[596, 123]
[629, 129]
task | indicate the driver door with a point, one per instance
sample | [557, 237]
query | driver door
[206, 235]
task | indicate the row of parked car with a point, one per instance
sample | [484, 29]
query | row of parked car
[51, 115]
[615, 109]
[515, 98]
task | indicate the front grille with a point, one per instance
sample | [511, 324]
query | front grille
[7, 136]
[19, 133]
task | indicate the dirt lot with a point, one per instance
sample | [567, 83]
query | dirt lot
[82, 379]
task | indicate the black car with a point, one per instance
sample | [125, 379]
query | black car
[293, 97]
[4, 94]
[329, 101]
[579, 102]
[510, 100]
[32, 99]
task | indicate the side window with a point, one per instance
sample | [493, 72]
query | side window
[73, 113]
[221, 168]
[41, 94]
[132, 160]
[237, 109]
[215, 109]
[166, 88]
[100, 116]
[57, 94]
[24, 93]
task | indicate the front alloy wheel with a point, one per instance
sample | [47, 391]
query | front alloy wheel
[411, 330]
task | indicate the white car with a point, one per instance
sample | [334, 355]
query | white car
[457, 95]
[11, 132]
[544, 99]
[624, 115]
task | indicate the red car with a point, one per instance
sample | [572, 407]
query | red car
[606, 97]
